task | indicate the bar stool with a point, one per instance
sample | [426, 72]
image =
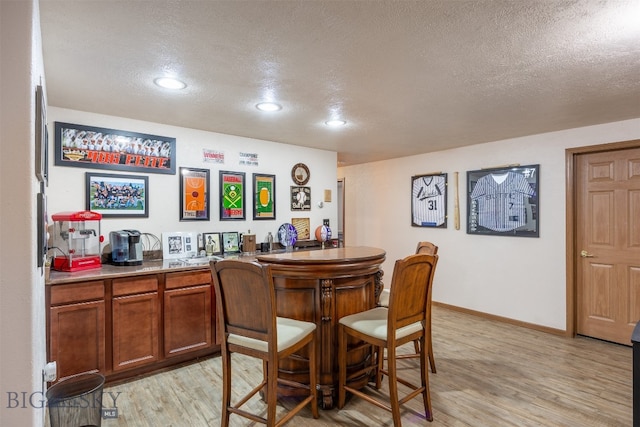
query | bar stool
[245, 298]
[387, 328]
[422, 248]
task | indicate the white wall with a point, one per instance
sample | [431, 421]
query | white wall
[22, 314]
[513, 277]
[67, 184]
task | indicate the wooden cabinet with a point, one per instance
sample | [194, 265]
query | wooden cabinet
[135, 320]
[188, 307]
[77, 328]
[128, 324]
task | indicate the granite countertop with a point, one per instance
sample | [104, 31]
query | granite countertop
[109, 271]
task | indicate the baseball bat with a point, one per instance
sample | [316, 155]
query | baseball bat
[456, 207]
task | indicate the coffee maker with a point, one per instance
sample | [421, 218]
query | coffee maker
[126, 247]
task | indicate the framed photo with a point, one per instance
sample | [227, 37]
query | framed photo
[300, 198]
[232, 204]
[264, 200]
[211, 242]
[231, 242]
[179, 244]
[504, 201]
[303, 227]
[429, 200]
[42, 247]
[102, 148]
[117, 195]
[194, 194]
[42, 143]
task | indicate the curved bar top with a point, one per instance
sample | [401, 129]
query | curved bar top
[322, 286]
[334, 263]
[325, 256]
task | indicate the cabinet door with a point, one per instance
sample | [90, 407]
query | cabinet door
[77, 339]
[187, 319]
[136, 322]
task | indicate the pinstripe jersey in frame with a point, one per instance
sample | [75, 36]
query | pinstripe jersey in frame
[429, 203]
[500, 201]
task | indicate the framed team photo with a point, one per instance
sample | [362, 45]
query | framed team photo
[504, 201]
[117, 195]
[91, 147]
[429, 200]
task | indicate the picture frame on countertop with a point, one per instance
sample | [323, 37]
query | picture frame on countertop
[232, 196]
[212, 243]
[231, 242]
[179, 244]
[93, 147]
[194, 194]
[116, 195]
[504, 201]
[303, 227]
[264, 200]
[429, 200]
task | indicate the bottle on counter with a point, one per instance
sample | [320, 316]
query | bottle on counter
[270, 241]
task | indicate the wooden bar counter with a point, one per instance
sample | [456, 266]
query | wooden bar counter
[321, 286]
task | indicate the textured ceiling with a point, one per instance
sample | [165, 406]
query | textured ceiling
[408, 76]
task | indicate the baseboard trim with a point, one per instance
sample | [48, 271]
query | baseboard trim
[514, 322]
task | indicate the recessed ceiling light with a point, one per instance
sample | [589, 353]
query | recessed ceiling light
[335, 123]
[170, 83]
[268, 106]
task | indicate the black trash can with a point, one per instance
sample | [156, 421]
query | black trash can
[76, 401]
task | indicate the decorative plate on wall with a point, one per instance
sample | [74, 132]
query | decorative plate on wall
[300, 174]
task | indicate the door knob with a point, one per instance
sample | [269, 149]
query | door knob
[585, 254]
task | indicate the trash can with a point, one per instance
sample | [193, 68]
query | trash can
[76, 401]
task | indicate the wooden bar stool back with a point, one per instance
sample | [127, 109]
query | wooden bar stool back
[429, 249]
[246, 303]
[387, 328]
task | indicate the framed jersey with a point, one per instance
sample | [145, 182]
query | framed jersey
[429, 200]
[504, 201]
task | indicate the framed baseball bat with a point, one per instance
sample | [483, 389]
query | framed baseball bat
[456, 207]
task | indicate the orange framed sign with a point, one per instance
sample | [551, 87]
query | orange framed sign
[194, 194]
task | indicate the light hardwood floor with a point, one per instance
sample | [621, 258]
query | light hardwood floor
[489, 374]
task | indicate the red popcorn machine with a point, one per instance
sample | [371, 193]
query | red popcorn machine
[76, 240]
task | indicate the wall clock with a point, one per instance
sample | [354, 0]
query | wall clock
[300, 174]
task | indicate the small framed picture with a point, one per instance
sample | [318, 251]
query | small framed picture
[231, 242]
[178, 244]
[211, 242]
[300, 198]
[232, 205]
[264, 201]
[117, 195]
[194, 194]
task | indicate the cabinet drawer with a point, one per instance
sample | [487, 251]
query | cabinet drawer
[85, 291]
[191, 278]
[134, 285]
